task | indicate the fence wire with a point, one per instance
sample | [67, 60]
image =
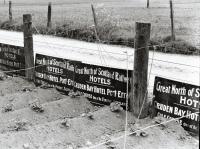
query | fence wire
[88, 3]
[139, 130]
[100, 50]
[58, 46]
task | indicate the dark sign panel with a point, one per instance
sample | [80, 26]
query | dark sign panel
[101, 85]
[55, 72]
[176, 99]
[12, 58]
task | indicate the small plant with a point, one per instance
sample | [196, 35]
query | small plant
[90, 116]
[115, 107]
[65, 122]
[45, 86]
[8, 108]
[19, 125]
[109, 144]
[2, 76]
[137, 131]
[26, 89]
[76, 94]
[36, 106]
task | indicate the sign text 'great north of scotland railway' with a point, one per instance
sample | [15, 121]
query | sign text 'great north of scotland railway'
[101, 85]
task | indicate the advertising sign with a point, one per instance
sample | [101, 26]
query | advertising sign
[12, 58]
[101, 85]
[176, 99]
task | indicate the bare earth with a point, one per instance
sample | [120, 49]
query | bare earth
[45, 131]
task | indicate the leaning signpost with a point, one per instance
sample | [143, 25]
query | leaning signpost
[176, 99]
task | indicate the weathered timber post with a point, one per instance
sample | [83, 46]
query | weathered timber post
[140, 71]
[28, 47]
[95, 22]
[147, 3]
[49, 16]
[172, 21]
[4, 2]
[10, 11]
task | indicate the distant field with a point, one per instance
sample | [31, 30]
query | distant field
[121, 14]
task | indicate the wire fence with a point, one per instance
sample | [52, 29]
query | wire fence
[102, 52]
[139, 130]
[126, 133]
[88, 2]
[106, 51]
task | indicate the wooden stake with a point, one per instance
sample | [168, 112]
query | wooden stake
[28, 47]
[10, 11]
[49, 16]
[147, 3]
[172, 21]
[95, 22]
[140, 71]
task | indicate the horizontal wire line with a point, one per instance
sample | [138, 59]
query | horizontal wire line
[175, 63]
[76, 48]
[45, 4]
[16, 70]
[142, 129]
[182, 80]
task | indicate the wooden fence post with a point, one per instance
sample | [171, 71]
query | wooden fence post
[49, 16]
[140, 71]
[95, 22]
[10, 11]
[147, 3]
[28, 47]
[172, 21]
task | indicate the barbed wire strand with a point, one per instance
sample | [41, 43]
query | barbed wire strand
[145, 96]
[17, 70]
[78, 3]
[142, 129]
[132, 55]
[127, 93]
[34, 26]
[127, 89]
[182, 80]
[76, 48]
[199, 68]
[143, 102]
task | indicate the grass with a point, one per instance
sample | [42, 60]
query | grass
[116, 22]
